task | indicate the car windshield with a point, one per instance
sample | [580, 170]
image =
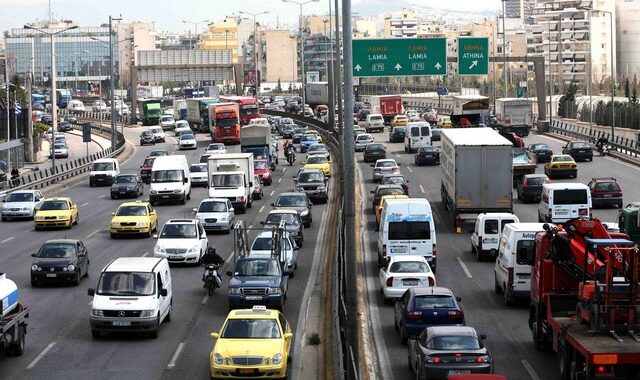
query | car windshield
[147, 134]
[385, 164]
[126, 179]
[311, 137]
[126, 284]
[454, 343]
[432, 301]
[536, 181]
[179, 231]
[300, 130]
[317, 160]
[291, 201]
[20, 197]
[409, 267]
[215, 147]
[398, 130]
[363, 137]
[318, 148]
[213, 207]
[159, 176]
[54, 205]
[395, 180]
[226, 122]
[580, 145]
[256, 268]
[57, 250]
[607, 186]
[155, 130]
[262, 165]
[562, 159]
[390, 191]
[198, 168]
[227, 180]
[278, 217]
[310, 177]
[374, 147]
[167, 118]
[132, 211]
[157, 153]
[148, 162]
[261, 244]
[251, 329]
[187, 136]
[102, 166]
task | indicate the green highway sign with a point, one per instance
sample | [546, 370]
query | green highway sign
[399, 57]
[473, 55]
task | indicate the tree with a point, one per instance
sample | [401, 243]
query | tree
[627, 93]
[567, 103]
[278, 88]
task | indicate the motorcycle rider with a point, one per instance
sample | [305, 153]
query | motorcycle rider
[212, 258]
[289, 152]
[601, 143]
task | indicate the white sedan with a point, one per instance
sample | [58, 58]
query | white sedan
[216, 214]
[181, 127]
[362, 140]
[262, 246]
[216, 148]
[187, 141]
[403, 272]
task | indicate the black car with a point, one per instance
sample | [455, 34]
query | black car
[427, 155]
[146, 137]
[296, 201]
[296, 138]
[126, 185]
[47, 119]
[71, 118]
[542, 151]
[382, 190]
[579, 150]
[288, 131]
[293, 223]
[374, 152]
[64, 126]
[530, 189]
[60, 260]
[397, 134]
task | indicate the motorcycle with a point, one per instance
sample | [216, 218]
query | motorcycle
[604, 150]
[291, 157]
[210, 278]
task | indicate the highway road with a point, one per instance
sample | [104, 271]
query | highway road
[77, 148]
[59, 342]
[509, 338]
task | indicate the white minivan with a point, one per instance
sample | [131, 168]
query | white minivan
[418, 134]
[134, 294]
[513, 269]
[487, 231]
[560, 202]
[407, 228]
[104, 171]
[170, 180]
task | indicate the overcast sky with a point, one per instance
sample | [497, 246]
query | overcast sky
[169, 14]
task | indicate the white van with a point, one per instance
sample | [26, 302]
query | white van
[486, 234]
[513, 269]
[418, 134]
[170, 180]
[560, 202]
[103, 171]
[76, 106]
[134, 295]
[407, 228]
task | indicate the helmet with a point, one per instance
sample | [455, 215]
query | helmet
[211, 250]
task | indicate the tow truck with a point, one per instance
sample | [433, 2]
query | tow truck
[13, 328]
[584, 299]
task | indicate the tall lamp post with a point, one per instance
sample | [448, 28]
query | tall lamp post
[613, 74]
[504, 48]
[99, 82]
[195, 24]
[300, 4]
[255, 44]
[52, 77]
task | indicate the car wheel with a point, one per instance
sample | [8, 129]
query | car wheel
[76, 280]
[403, 336]
[77, 219]
[496, 287]
[34, 283]
[96, 334]
[4, 219]
[156, 330]
[167, 318]
[506, 298]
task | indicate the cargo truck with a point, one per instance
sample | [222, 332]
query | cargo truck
[629, 221]
[477, 173]
[224, 123]
[180, 109]
[514, 115]
[198, 113]
[317, 93]
[231, 177]
[13, 315]
[256, 139]
[387, 105]
[149, 111]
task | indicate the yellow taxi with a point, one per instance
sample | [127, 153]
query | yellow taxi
[134, 218]
[561, 165]
[399, 121]
[315, 133]
[252, 343]
[380, 205]
[318, 161]
[444, 121]
[56, 212]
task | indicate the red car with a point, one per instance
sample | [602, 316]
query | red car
[145, 169]
[261, 168]
[605, 192]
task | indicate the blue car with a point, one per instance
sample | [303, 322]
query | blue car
[307, 141]
[427, 155]
[426, 306]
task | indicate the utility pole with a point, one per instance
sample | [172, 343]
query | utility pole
[255, 47]
[504, 48]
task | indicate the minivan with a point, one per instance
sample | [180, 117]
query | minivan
[512, 271]
[487, 231]
[407, 228]
[104, 171]
[170, 180]
[560, 202]
[134, 294]
[418, 133]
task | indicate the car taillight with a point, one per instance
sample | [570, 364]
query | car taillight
[483, 359]
[525, 183]
[456, 315]
[510, 277]
[384, 250]
[377, 170]
[242, 198]
[432, 359]
[390, 281]
[573, 166]
[395, 168]
[433, 249]
[480, 243]
[414, 315]
[618, 194]
[432, 282]
[507, 121]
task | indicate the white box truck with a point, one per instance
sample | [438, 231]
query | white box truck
[231, 177]
[514, 115]
[477, 173]
[317, 93]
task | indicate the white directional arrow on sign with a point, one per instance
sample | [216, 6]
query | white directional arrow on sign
[358, 68]
[473, 64]
[397, 66]
[437, 65]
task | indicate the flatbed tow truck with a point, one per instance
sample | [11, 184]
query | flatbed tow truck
[13, 328]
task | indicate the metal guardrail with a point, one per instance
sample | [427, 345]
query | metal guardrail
[618, 144]
[123, 119]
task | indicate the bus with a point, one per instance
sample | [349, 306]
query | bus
[63, 97]
[224, 123]
[248, 107]
[38, 99]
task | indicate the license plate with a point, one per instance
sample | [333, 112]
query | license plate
[245, 370]
[254, 298]
[175, 257]
[165, 196]
[410, 282]
[459, 372]
[51, 275]
[399, 250]
[582, 151]
[121, 323]
[123, 192]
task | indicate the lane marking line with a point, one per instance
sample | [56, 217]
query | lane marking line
[102, 196]
[529, 369]
[279, 180]
[172, 363]
[145, 254]
[284, 169]
[7, 239]
[84, 204]
[250, 225]
[230, 256]
[464, 267]
[205, 299]
[93, 233]
[41, 355]
[261, 209]
[271, 193]
[422, 189]
[409, 169]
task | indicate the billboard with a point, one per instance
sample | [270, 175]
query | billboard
[250, 77]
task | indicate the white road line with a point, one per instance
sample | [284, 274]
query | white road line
[279, 180]
[102, 196]
[93, 233]
[409, 169]
[397, 155]
[7, 239]
[205, 300]
[250, 225]
[422, 189]
[41, 355]
[261, 209]
[84, 204]
[229, 257]
[464, 267]
[145, 254]
[272, 192]
[172, 363]
[284, 169]
[529, 369]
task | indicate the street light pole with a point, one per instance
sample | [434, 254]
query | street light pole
[255, 47]
[195, 24]
[504, 49]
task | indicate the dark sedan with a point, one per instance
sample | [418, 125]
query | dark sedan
[145, 169]
[441, 351]
[71, 118]
[127, 185]
[293, 223]
[296, 138]
[397, 134]
[61, 260]
[288, 131]
[382, 190]
[64, 126]
[530, 189]
[542, 152]
[374, 151]
[579, 150]
[427, 155]
[146, 137]
[296, 201]
[396, 179]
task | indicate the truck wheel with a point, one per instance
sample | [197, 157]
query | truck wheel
[17, 349]
[496, 286]
[506, 298]
[563, 361]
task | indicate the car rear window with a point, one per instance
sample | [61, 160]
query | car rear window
[607, 186]
[371, 147]
[409, 267]
[409, 231]
[570, 197]
[375, 118]
[433, 301]
[424, 131]
[536, 181]
[454, 343]
[491, 226]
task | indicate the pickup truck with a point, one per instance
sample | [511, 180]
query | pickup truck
[258, 280]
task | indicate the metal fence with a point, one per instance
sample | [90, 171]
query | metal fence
[619, 144]
[121, 119]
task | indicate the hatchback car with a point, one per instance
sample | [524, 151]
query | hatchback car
[313, 183]
[385, 166]
[187, 141]
[216, 214]
[298, 202]
[158, 152]
[442, 351]
[158, 134]
[167, 122]
[216, 148]
[293, 223]
[530, 188]
[181, 241]
[261, 169]
[422, 307]
[397, 134]
[199, 175]
[318, 162]
[427, 155]
[64, 126]
[258, 187]
[382, 190]
[579, 150]
[399, 273]
[61, 149]
[605, 192]
[181, 128]
[396, 179]
[307, 140]
[362, 140]
[319, 149]
[146, 137]
[374, 151]
[56, 212]
[134, 218]
[399, 120]
[542, 152]
[21, 204]
[561, 165]
[126, 185]
[263, 245]
[288, 130]
[61, 260]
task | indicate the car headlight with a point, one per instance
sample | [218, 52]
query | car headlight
[97, 313]
[70, 268]
[159, 249]
[141, 224]
[304, 213]
[38, 218]
[218, 359]
[177, 191]
[147, 313]
[35, 268]
[154, 192]
[277, 358]
[275, 291]
[114, 224]
[193, 249]
[234, 291]
[322, 188]
[223, 218]
[62, 217]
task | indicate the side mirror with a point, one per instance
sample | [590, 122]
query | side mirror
[398, 163]
[372, 192]
[262, 222]
[155, 236]
[33, 255]
[483, 337]
[288, 335]
[194, 209]
[228, 273]
[164, 292]
[91, 292]
[273, 205]
[458, 299]
[113, 214]
[407, 181]
[372, 165]
[214, 335]
[185, 180]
